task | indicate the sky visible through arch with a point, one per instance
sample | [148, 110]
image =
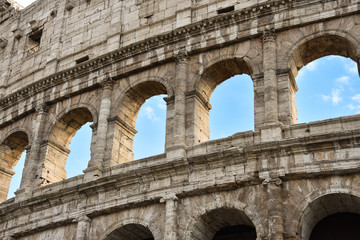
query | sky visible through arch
[328, 87]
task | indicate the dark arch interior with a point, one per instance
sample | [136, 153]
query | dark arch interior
[321, 47]
[224, 223]
[124, 126]
[242, 232]
[57, 148]
[219, 72]
[131, 232]
[135, 97]
[10, 152]
[66, 127]
[12, 148]
[338, 226]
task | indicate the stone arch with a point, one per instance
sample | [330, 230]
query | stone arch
[56, 149]
[89, 107]
[217, 71]
[123, 120]
[11, 148]
[133, 223]
[163, 83]
[306, 50]
[17, 129]
[149, 222]
[317, 45]
[244, 214]
[320, 204]
[220, 69]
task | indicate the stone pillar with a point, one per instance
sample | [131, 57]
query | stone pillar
[178, 146]
[96, 164]
[197, 112]
[83, 228]
[171, 220]
[275, 207]
[31, 177]
[270, 80]
[287, 89]
[259, 108]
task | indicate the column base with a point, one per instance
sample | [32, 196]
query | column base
[177, 151]
[271, 132]
[92, 173]
[22, 194]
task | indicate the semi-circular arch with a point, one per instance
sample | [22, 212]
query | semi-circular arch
[317, 45]
[245, 211]
[302, 217]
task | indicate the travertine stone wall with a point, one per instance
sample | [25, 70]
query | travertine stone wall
[69, 62]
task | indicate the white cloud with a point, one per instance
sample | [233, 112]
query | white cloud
[343, 80]
[312, 66]
[331, 57]
[335, 96]
[351, 67]
[161, 104]
[356, 98]
[150, 114]
[325, 98]
[352, 107]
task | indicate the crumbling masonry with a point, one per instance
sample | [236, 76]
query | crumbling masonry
[68, 62]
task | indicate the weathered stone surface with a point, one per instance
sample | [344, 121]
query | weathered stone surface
[66, 63]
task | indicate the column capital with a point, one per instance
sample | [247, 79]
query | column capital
[83, 218]
[108, 83]
[171, 197]
[181, 56]
[41, 108]
[268, 35]
[276, 181]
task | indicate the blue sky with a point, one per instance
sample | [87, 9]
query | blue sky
[328, 87]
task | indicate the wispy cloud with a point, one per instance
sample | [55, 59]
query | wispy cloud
[343, 80]
[150, 114]
[331, 57]
[351, 68]
[352, 106]
[335, 96]
[325, 98]
[161, 104]
[356, 98]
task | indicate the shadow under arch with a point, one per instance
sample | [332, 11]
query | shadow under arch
[199, 98]
[123, 122]
[319, 45]
[130, 231]
[318, 205]
[56, 148]
[11, 149]
[223, 223]
[218, 72]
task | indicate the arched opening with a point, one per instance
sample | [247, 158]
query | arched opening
[199, 99]
[57, 147]
[304, 58]
[329, 88]
[224, 223]
[11, 150]
[123, 126]
[150, 127]
[333, 206]
[131, 232]
[80, 147]
[338, 226]
[232, 107]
